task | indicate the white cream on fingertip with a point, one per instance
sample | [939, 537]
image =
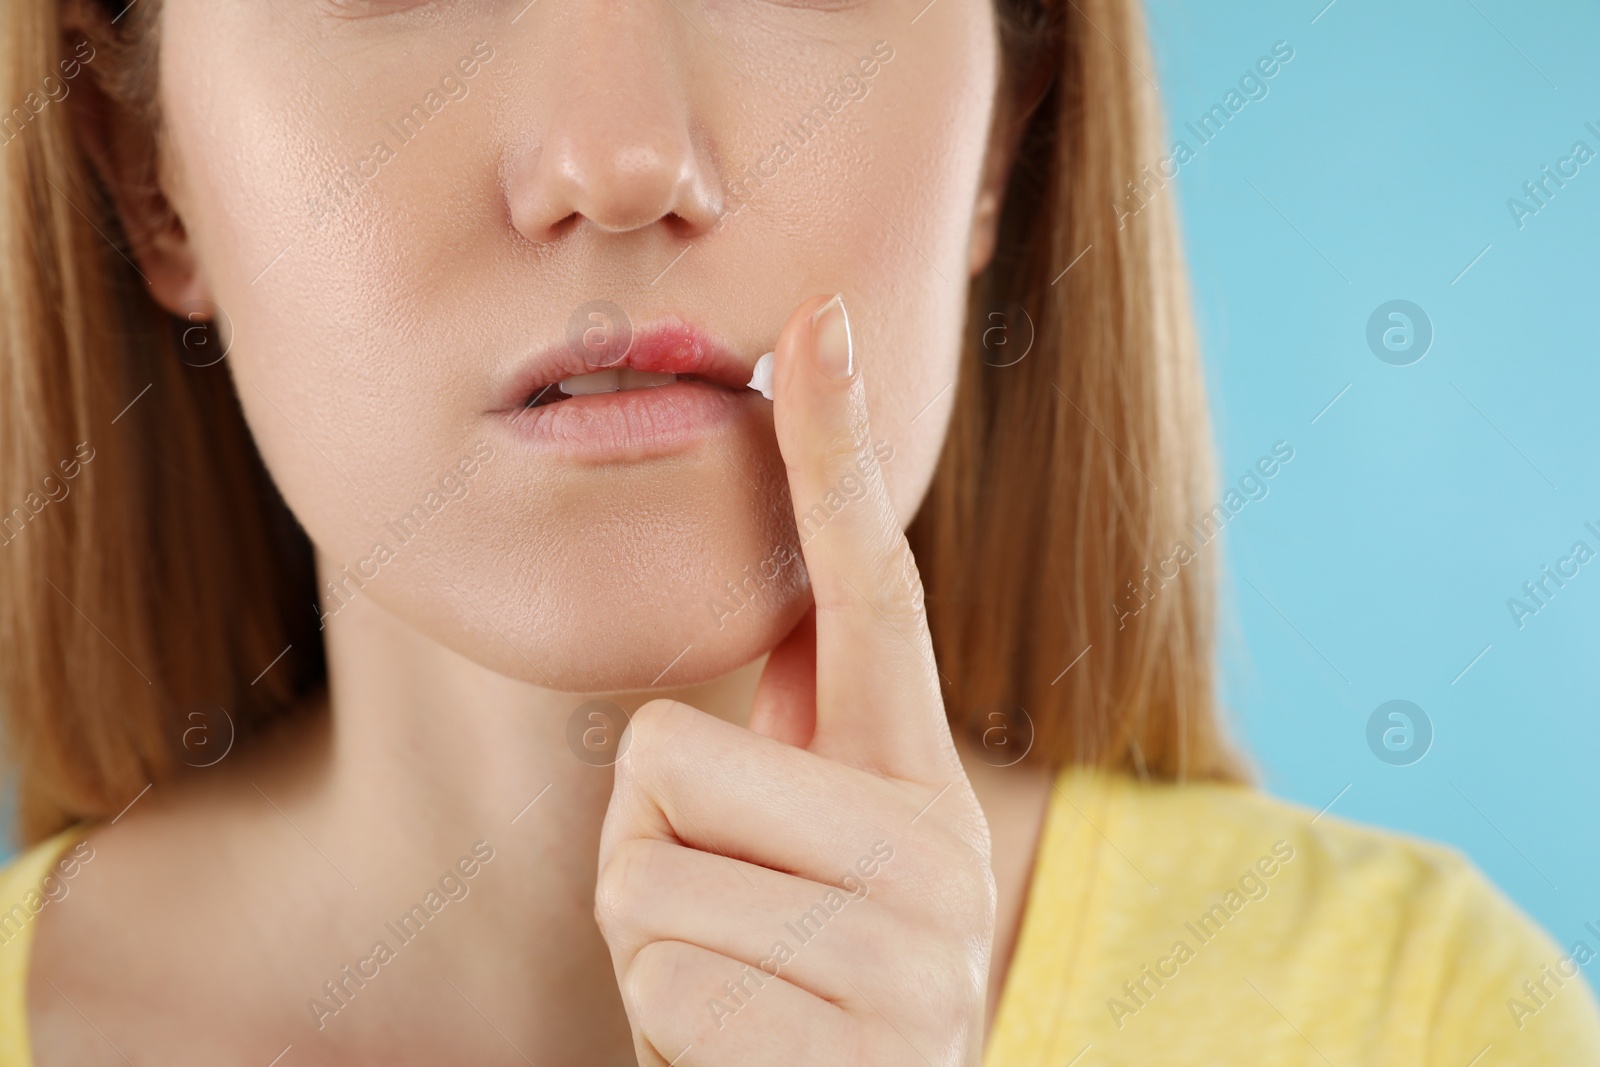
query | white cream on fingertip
[761, 376]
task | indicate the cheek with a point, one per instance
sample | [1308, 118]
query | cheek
[330, 242]
[892, 224]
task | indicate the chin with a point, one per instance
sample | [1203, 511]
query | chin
[613, 578]
[670, 649]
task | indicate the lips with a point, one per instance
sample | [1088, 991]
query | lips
[673, 386]
[676, 348]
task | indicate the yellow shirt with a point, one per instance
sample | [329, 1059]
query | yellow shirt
[1205, 924]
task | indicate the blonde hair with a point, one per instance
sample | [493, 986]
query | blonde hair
[177, 572]
[1071, 475]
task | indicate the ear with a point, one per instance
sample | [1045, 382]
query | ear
[114, 132]
[1012, 116]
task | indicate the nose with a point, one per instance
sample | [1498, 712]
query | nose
[612, 138]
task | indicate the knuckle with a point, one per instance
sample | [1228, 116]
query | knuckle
[985, 903]
[650, 973]
[621, 888]
[955, 889]
[889, 580]
[966, 894]
[946, 988]
[899, 579]
[961, 993]
[946, 979]
[842, 446]
[969, 836]
[664, 978]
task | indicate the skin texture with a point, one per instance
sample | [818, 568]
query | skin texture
[373, 322]
[367, 356]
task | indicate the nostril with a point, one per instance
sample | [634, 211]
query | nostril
[679, 226]
[561, 227]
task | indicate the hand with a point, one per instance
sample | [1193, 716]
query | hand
[817, 889]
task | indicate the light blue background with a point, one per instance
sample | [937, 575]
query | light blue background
[1382, 160]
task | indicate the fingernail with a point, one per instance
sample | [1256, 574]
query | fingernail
[761, 376]
[830, 330]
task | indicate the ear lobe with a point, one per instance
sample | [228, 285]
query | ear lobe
[121, 148]
[1010, 124]
[997, 163]
[991, 190]
[986, 216]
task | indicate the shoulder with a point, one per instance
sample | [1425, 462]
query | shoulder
[1204, 908]
[32, 881]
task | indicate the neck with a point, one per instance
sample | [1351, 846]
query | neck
[426, 726]
[428, 753]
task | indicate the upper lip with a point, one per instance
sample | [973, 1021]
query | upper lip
[667, 346]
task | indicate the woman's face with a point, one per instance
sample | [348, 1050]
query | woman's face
[415, 216]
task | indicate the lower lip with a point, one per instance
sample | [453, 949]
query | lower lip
[632, 424]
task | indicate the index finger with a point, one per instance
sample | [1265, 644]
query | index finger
[878, 700]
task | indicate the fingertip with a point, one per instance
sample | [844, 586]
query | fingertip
[794, 347]
[831, 344]
[817, 377]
